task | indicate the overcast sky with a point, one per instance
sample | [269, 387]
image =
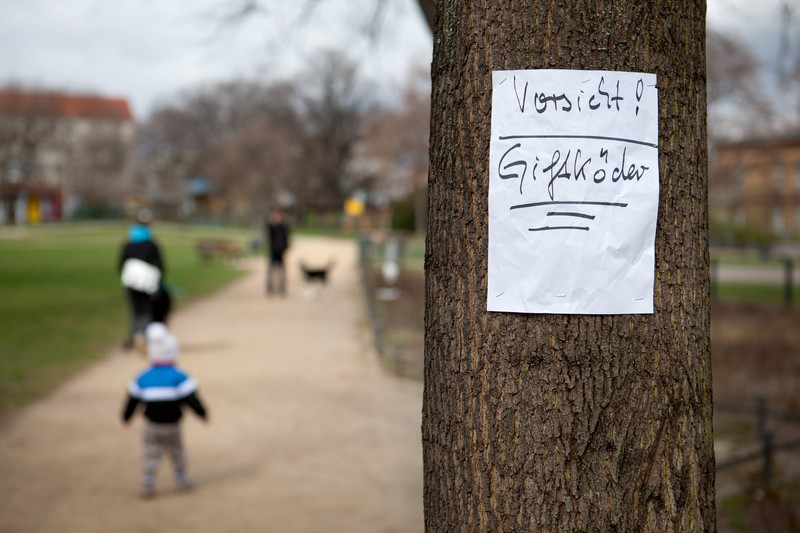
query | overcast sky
[147, 50]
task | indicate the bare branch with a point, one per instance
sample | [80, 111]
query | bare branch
[306, 12]
[237, 12]
[373, 26]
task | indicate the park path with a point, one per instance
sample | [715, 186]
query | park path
[307, 433]
[762, 274]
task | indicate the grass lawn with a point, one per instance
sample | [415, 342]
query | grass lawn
[756, 293]
[62, 303]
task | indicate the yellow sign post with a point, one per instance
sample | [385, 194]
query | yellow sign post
[354, 207]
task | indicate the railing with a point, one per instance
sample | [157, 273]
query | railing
[768, 447]
[381, 259]
[365, 251]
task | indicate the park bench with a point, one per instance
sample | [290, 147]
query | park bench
[211, 249]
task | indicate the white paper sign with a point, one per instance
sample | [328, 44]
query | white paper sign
[573, 192]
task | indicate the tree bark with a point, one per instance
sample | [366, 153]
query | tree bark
[566, 422]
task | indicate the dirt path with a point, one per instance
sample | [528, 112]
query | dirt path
[764, 274]
[307, 433]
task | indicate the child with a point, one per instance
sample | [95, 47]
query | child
[163, 389]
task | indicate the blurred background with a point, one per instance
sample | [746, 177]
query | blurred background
[212, 113]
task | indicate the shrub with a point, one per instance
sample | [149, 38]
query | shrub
[403, 215]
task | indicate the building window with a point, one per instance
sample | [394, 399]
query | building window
[797, 178]
[739, 217]
[777, 177]
[738, 179]
[778, 226]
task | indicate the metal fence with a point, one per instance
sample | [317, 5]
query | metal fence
[768, 446]
[386, 250]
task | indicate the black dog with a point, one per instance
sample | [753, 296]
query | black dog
[316, 275]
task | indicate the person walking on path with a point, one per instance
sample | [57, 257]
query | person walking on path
[141, 268]
[277, 244]
[164, 390]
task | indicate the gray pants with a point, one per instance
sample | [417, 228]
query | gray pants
[275, 268]
[161, 439]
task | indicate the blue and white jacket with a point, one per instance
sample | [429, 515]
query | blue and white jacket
[163, 389]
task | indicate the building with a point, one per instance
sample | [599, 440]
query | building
[62, 153]
[757, 182]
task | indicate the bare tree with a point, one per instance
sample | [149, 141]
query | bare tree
[95, 163]
[789, 65]
[566, 422]
[397, 138]
[245, 137]
[332, 102]
[737, 103]
[180, 138]
[258, 166]
[235, 12]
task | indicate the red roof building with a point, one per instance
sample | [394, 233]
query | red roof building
[14, 102]
[61, 152]
[757, 181]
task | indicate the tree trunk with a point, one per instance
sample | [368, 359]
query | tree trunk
[566, 422]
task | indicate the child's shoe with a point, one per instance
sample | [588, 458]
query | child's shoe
[147, 492]
[183, 483]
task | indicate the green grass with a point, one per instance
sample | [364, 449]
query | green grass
[734, 509]
[745, 259]
[756, 293]
[415, 253]
[62, 303]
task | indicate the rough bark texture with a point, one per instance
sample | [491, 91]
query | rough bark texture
[554, 422]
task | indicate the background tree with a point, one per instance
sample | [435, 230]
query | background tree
[566, 422]
[262, 143]
[233, 133]
[332, 101]
[396, 138]
[95, 165]
[233, 12]
[261, 166]
[737, 102]
[183, 132]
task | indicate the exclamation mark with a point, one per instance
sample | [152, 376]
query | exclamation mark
[639, 91]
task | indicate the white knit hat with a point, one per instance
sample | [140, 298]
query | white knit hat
[162, 346]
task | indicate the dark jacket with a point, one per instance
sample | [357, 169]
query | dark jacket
[278, 236]
[140, 245]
